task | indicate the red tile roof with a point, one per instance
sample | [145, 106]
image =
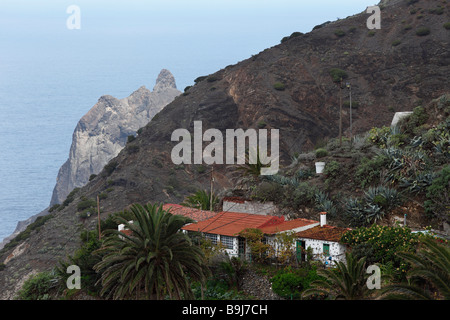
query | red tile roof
[287, 225]
[326, 232]
[231, 223]
[194, 214]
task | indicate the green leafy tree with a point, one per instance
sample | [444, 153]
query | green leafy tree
[153, 261]
[429, 277]
[201, 199]
[346, 281]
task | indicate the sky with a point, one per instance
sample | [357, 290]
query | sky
[28, 28]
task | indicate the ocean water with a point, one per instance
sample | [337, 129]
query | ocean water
[51, 76]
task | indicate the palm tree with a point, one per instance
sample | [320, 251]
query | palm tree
[348, 280]
[429, 276]
[201, 200]
[154, 260]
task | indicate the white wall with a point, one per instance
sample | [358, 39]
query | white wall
[337, 250]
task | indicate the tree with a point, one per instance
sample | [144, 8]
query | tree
[429, 276]
[201, 199]
[255, 239]
[154, 260]
[348, 280]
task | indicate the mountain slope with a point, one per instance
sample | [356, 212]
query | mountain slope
[102, 132]
[392, 69]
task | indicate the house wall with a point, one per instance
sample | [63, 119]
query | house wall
[252, 207]
[337, 250]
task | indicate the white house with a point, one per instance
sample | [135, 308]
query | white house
[324, 242]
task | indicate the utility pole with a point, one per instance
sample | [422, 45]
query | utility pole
[340, 113]
[98, 217]
[349, 87]
[211, 189]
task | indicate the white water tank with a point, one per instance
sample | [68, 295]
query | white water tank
[320, 166]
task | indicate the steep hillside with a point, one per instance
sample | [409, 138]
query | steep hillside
[289, 87]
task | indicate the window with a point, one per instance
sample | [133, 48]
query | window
[326, 249]
[212, 237]
[227, 241]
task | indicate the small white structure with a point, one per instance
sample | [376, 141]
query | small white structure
[398, 116]
[319, 167]
[324, 240]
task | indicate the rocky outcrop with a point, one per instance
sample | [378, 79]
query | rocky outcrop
[102, 132]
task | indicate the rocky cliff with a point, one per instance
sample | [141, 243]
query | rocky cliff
[103, 131]
[291, 87]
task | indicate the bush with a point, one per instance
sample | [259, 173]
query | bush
[369, 170]
[332, 169]
[415, 120]
[279, 86]
[287, 285]
[447, 25]
[438, 202]
[321, 152]
[130, 138]
[293, 35]
[86, 204]
[339, 33]
[423, 31]
[110, 167]
[396, 43]
[338, 74]
[383, 241]
[38, 287]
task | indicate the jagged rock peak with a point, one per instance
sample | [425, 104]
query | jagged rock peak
[165, 80]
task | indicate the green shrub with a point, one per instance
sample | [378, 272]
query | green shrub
[321, 152]
[38, 287]
[287, 285]
[371, 33]
[439, 10]
[332, 169]
[338, 74]
[110, 167]
[396, 43]
[130, 138]
[369, 170]
[293, 35]
[423, 31]
[383, 241]
[415, 120]
[279, 86]
[447, 25]
[438, 195]
[86, 204]
[339, 33]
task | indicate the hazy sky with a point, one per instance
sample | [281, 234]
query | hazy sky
[170, 32]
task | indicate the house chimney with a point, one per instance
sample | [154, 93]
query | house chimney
[323, 219]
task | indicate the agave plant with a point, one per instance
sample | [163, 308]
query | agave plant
[354, 211]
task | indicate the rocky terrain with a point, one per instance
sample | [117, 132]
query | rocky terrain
[103, 131]
[292, 87]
